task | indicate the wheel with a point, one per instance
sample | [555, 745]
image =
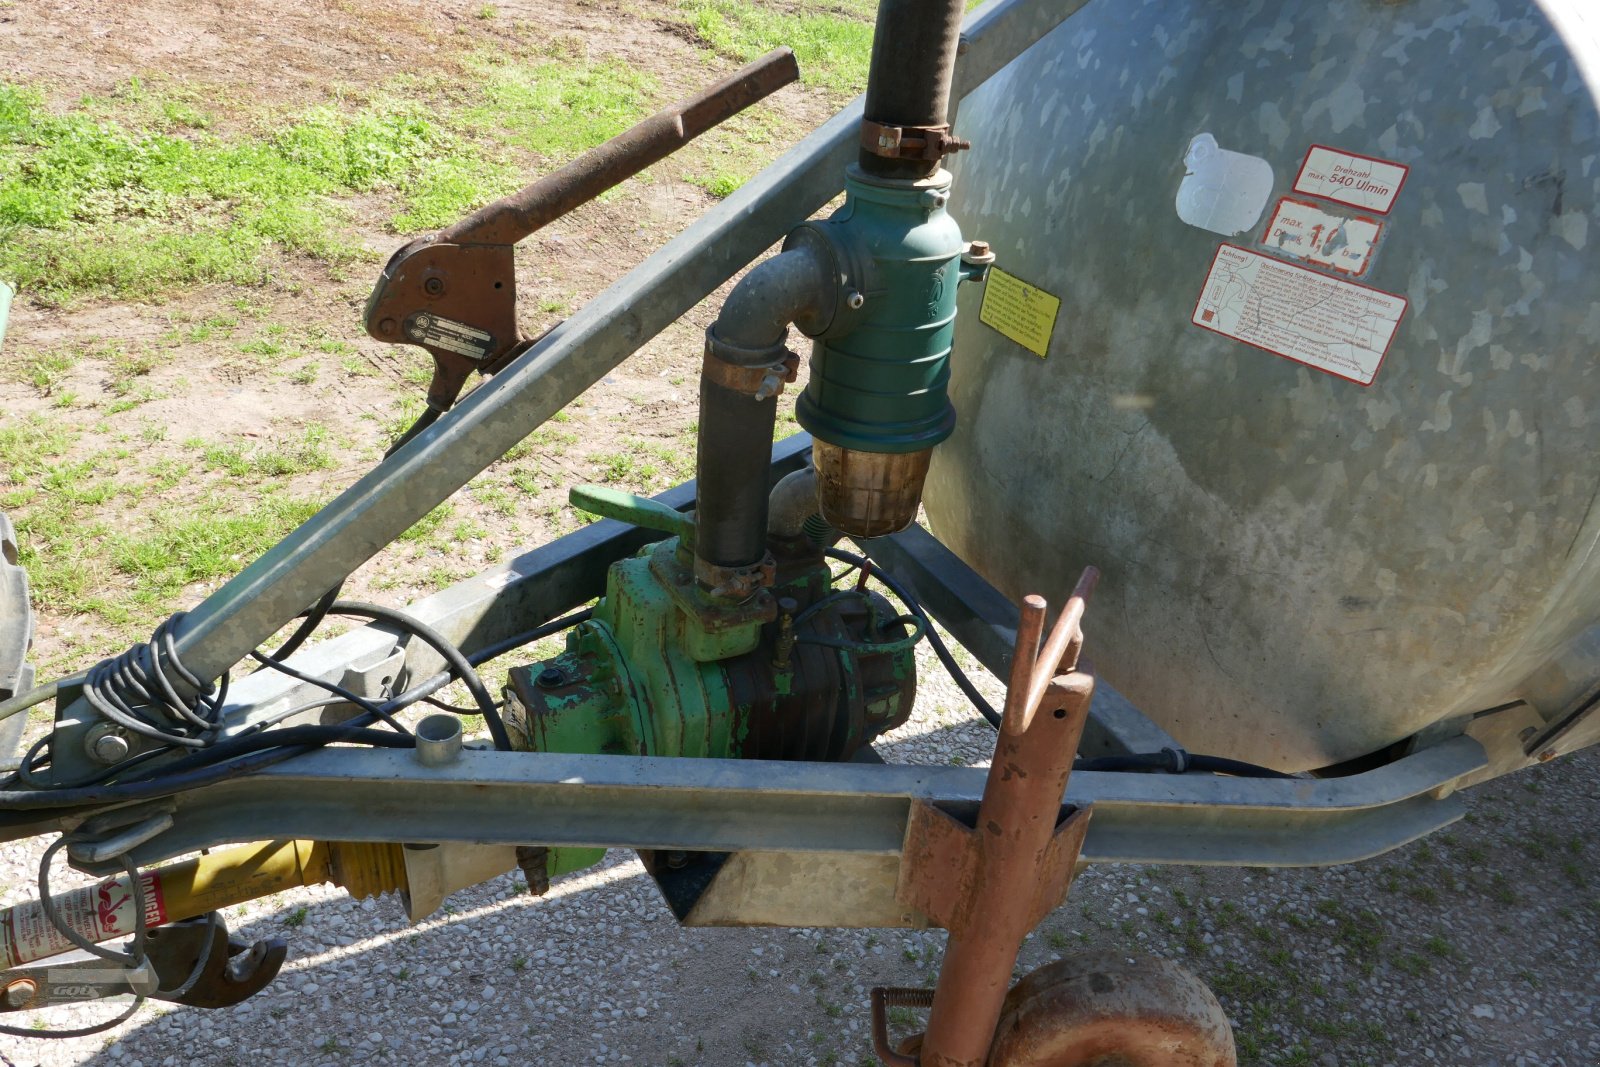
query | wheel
[1109, 1011]
[16, 635]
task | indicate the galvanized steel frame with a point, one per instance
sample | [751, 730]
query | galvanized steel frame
[732, 805]
[611, 801]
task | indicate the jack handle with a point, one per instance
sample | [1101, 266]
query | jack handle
[453, 292]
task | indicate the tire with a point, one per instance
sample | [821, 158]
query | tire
[16, 637]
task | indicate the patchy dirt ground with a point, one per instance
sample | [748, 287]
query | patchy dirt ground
[251, 366]
[1476, 948]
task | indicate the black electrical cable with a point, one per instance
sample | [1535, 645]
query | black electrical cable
[308, 624]
[447, 651]
[136, 691]
[336, 690]
[286, 743]
[516, 641]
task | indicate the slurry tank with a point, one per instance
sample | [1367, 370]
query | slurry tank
[1296, 339]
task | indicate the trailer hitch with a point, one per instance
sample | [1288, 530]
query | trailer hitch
[453, 293]
[194, 963]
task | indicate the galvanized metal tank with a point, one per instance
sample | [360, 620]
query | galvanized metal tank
[1311, 549]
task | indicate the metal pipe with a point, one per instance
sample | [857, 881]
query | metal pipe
[738, 414]
[908, 84]
[792, 501]
[732, 455]
[510, 219]
[796, 286]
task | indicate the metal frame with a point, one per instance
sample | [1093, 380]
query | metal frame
[844, 817]
[832, 813]
[710, 805]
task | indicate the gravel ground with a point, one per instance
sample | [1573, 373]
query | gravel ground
[1480, 945]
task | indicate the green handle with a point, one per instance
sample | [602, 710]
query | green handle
[631, 509]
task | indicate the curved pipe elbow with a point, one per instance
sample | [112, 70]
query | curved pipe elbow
[796, 286]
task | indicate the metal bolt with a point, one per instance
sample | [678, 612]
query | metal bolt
[980, 248]
[676, 860]
[771, 385]
[433, 286]
[387, 327]
[551, 677]
[1547, 755]
[853, 299]
[109, 748]
[19, 994]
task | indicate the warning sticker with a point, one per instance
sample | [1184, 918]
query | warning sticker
[452, 336]
[1336, 326]
[98, 912]
[1360, 181]
[1303, 230]
[1020, 311]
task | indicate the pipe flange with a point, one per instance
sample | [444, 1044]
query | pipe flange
[736, 583]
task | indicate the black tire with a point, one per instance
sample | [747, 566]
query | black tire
[16, 637]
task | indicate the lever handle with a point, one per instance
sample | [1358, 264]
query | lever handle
[631, 509]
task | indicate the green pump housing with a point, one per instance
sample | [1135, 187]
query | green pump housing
[880, 372]
[799, 671]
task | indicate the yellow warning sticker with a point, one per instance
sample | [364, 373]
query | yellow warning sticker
[1020, 311]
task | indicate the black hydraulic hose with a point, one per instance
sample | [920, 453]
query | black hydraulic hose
[940, 649]
[908, 84]
[1177, 761]
[516, 641]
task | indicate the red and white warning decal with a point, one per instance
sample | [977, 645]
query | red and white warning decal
[102, 912]
[1360, 181]
[1304, 230]
[1333, 325]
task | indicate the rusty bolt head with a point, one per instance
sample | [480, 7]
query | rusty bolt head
[1547, 755]
[433, 286]
[20, 993]
[980, 248]
[387, 327]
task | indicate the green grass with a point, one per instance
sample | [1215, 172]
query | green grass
[213, 540]
[134, 196]
[310, 453]
[833, 48]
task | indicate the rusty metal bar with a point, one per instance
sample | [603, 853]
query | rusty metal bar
[510, 219]
[991, 882]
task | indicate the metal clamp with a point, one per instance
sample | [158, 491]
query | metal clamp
[910, 142]
[761, 382]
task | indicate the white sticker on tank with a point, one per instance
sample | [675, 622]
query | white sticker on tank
[1224, 192]
[1357, 180]
[1303, 230]
[1340, 327]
